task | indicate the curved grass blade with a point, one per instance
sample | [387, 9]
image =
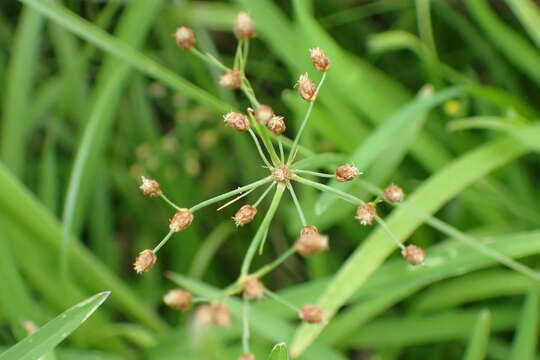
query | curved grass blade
[55, 331]
[279, 352]
[477, 347]
[528, 14]
[526, 339]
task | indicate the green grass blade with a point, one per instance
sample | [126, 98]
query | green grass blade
[55, 331]
[477, 347]
[279, 352]
[529, 16]
[526, 338]
[435, 192]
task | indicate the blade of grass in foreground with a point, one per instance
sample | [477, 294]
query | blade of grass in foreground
[526, 340]
[440, 188]
[477, 348]
[279, 352]
[55, 331]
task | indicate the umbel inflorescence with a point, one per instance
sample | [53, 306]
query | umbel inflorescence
[279, 155]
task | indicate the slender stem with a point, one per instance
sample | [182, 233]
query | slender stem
[245, 53]
[348, 197]
[281, 300]
[263, 241]
[235, 199]
[230, 193]
[274, 264]
[245, 329]
[297, 205]
[260, 232]
[267, 142]
[261, 198]
[168, 201]
[163, 242]
[314, 173]
[258, 145]
[390, 234]
[304, 122]
[281, 153]
[210, 59]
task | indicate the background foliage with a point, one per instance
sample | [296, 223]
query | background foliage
[95, 94]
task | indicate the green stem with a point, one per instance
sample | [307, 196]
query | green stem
[210, 59]
[245, 328]
[230, 193]
[261, 231]
[281, 300]
[274, 264]
[281, 153]
[304, 122]
[314, 173]
[258, 145]
[297, 205]
[168, 201]
[261, 198]
[267, 142]
[163, 242]
[347, 197]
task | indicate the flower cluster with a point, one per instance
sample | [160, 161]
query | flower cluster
[267, 132]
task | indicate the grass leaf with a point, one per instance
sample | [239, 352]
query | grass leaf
[477, 348]
[279, 352]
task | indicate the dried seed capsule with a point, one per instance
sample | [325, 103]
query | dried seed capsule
[185, 38]
[366, 213]
[276, 125]
[181, 220]
[221, 316]
[311, 314]
[237, 121]
[281, 173]
[310, 241]
[150, 187]
[393, 194]
[243, 26]
[306, 88]
[178, 299]
[231, 79]
[319, 59]
[253, 288]
[263, 114]
[144, 262]
[346, 172]
[248, 356]
[245, 215]
[413, 254]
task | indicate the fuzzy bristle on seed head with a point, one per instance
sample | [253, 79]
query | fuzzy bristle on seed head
[346, 172]
[232, 79]
[310, 241]
[281, 173]
[253, 288]
[393, 194]
[181, 220]
[185, 38]
[221, 315]
[245, 215]
[144, 261]
[243, 26]
[276, 125]
[178, 299]
[311, 314]
[366, 213]
[319, 59]
[237, 121]
[150, 187]
[413, 254]
[306, 88]
[247, 356]
[263, 114]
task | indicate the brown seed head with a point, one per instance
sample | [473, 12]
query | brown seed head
[144, 262]
[243, 26]
[276, 125]
[248, 356]
[202, 316]
[346, 172]
[311, 314]
[366, 213]
[231, 79]
[263, 114]
[237, 121]
[244, 215]
[319, 59]
[310, 241]
[413, 254]
[185, 38]
[306, 88]
[393, 194]
[150, 187]
[178, 299]
[281, 173]
[253, 288]
[181, 220]
[221, 316]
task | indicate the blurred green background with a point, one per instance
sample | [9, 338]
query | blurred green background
[450, 87]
